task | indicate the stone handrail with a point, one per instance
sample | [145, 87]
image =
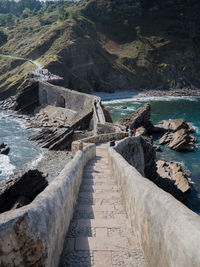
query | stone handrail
[169, 232]
[101, 113]
[34, 234]
[102, 138]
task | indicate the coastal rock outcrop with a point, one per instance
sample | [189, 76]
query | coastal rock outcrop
[172, 179]
[180, 140]
[140, 153]
[173, 125]
[4, 149]
[21, 189]
[141, 117]
[176, 134]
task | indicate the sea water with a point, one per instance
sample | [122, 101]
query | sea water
[23, 153]
[164, 108]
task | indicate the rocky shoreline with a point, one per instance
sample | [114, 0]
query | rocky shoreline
[52, 162]
[171, 92]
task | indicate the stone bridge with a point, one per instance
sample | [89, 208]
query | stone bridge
[100, 211]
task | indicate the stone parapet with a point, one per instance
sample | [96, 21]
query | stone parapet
[103, 138]
[169, 232]
[34, 234]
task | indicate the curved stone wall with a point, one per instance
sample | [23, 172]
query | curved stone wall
[169, 232]
[63, 97]
[34, 234]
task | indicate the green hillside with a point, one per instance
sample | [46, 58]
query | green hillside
[107, 45]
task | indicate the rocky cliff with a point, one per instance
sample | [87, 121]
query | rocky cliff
[108, 45]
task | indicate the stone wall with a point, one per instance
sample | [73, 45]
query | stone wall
[34, 234]
[63, 97]
[169, 232]
[102, 138]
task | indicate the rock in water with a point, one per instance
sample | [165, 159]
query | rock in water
[4, 149]
[172, 179]
[176, 135]
[180, 140]
[21, 189]
[141, 117]
[173, 126]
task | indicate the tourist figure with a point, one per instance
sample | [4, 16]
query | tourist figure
[127, 128]
[122, 128]
[95, 103]
[134, 132]
[112, 141]
[130, 132]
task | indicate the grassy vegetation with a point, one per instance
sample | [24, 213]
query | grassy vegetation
[101, 45]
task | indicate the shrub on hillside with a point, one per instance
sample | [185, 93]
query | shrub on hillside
[3, 38]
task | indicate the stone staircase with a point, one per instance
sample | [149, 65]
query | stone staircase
[100, 234]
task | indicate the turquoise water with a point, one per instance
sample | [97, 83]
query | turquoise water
[164, 108]
[23, 153]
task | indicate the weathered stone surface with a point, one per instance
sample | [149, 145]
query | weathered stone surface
[107, 115]
[141, 117]
[139, 152]
[179, 140]
[4, 149]
[162, 223]
[101, 229]
[172, 179]
[173, 125]
[21, 189]
[34, 234]
[27, 99]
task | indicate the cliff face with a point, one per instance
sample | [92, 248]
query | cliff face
[112, 45]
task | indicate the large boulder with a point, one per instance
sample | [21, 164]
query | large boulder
[21, 189]
[172, 179]
[4, 149]
[172, 126]
[180, 140]
[141, 117]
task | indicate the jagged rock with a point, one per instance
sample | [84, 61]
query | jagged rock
[173, 126]
[4, 149]
[141, 117]
[107, 115]
[179, 140]
[172, 179]
[150, 169]
[157, 148]
[21, 189]
[27, 99]
[141, 130]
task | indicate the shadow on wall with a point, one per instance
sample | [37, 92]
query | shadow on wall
[76, 247]
[61, 102]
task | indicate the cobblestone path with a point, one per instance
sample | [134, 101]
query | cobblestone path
[100, 234]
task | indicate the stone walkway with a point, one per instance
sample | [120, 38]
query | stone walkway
[100, 234]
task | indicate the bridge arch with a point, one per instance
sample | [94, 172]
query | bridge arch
[61, 102]
[44, 97]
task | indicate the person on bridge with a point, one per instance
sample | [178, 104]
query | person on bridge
[95, 103]
[112, 141]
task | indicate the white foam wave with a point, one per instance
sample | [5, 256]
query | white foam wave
[35, 162]
[196, 129]
[127, 96]
[12, 116]
[6, 168]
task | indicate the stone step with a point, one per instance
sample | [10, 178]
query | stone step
[90, 208]
[100, 235]
[102, 244]
[96, 182]
[80, 214]
[109, 223]
[95, 188]
[105, 195]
